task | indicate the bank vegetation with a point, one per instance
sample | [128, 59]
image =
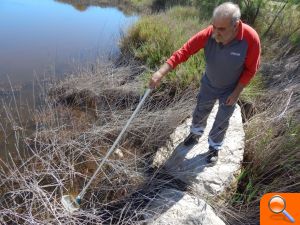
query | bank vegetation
[83, 115]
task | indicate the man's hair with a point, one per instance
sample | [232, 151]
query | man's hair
[228, 10]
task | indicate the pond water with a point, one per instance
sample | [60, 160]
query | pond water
[39, 36]
[49, 38]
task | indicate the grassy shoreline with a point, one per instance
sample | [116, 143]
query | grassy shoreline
[85, 113]
[272, 133]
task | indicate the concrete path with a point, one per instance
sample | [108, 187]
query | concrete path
[188, 164]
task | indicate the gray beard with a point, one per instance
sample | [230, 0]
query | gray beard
[214, 37]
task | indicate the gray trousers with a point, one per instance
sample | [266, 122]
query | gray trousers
[206, 99]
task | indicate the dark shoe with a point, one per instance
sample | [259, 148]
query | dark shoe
[191, 139]
[212, 156]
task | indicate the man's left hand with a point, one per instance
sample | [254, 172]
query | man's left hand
[232, 99]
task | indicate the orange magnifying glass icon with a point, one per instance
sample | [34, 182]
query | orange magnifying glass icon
[277, 205]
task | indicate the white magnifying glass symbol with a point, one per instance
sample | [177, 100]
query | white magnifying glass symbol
[277, 205]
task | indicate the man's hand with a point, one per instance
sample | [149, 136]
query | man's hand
[158, 75]
[155, 80]
[232, 99]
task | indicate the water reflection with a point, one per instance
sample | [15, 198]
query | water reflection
[47, 35]
[47, 38]
[80, 6]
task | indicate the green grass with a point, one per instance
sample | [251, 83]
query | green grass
[295, 39]
[254, 89]
[154, 38]
[285, 29]
[141, 3]
[272, 150]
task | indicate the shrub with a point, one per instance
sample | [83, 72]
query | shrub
[154, 38]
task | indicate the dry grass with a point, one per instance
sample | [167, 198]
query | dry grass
[74, 130]
[82, 118]
[272, 153]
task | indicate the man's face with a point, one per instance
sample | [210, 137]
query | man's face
[223, 30]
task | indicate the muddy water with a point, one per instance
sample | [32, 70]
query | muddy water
[43, 40]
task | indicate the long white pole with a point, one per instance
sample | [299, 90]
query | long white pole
[112, 148]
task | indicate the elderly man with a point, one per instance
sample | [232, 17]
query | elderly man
[232, 54]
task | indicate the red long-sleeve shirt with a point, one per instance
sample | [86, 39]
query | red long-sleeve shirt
[226, 65]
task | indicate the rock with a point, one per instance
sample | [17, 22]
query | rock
[118, 152]
[188, 163]
[172, 207]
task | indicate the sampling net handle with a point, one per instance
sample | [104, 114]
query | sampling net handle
[112, 148]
